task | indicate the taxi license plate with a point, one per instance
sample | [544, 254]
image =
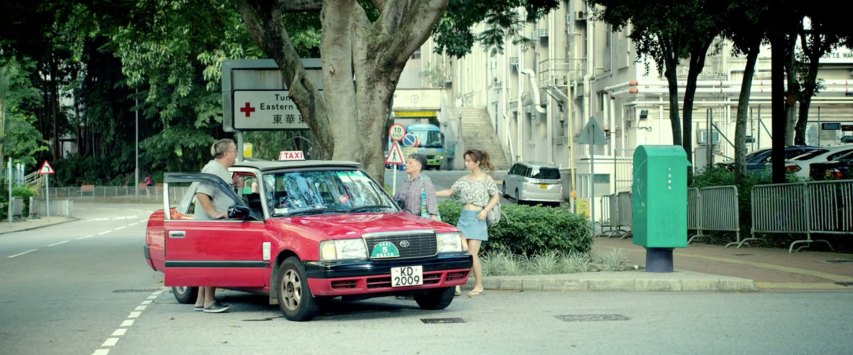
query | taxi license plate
[407, 276]
[543, 186]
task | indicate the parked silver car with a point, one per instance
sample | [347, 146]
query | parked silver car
[533, 182]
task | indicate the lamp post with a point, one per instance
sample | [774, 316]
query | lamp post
[136, 146]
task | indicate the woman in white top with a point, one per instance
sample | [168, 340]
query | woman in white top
[478, 194]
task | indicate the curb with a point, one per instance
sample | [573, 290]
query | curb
[630, 281]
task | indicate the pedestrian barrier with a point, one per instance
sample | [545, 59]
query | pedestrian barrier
[713, 209]
[824, 207]
[625, 215]
[58, 207]
[610, 217]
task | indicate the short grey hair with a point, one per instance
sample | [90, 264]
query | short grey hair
[221, 146]
[420, 158]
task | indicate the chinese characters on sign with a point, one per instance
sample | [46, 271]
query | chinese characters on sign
[266, 109]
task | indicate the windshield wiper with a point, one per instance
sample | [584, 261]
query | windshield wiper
[367, 207]
[307, 212]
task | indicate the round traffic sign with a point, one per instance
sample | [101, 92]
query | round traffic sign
[410, 140]
[396, 132]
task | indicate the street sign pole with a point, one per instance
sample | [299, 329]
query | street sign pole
[47, 193]
[9, 178]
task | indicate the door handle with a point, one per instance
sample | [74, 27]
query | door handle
[177, 234]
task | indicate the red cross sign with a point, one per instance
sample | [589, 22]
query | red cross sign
[247, 109]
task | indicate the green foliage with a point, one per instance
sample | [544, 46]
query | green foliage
[503, 263]
[530, 230]
[454, 32]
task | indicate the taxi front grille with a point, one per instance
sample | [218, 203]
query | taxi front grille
[407, 245]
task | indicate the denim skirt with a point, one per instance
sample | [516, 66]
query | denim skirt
[471, 227]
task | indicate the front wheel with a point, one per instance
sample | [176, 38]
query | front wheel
[294, 295]
[438, 298]
[185, 294]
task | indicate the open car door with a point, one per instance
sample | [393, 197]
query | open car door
[230, 252]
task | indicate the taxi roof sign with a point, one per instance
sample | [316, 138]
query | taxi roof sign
[291, 155]
[46, 168]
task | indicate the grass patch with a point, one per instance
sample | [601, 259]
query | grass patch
[502, 263]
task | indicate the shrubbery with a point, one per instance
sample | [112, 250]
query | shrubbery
[530, 230]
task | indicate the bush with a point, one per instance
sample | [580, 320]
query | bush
[530, 230]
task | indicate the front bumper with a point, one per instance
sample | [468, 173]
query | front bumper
[363, 277]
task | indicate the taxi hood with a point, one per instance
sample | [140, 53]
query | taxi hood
[352, 225]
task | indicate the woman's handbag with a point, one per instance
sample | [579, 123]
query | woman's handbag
[494, 215]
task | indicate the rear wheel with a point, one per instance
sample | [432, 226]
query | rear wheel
[185, 294]
[294, 296]
[438, 298]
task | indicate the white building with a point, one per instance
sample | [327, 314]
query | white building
[539, 99]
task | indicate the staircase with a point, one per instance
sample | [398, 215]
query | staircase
[477, 133]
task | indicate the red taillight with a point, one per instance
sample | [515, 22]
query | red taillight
[835, 173]
[792, 168]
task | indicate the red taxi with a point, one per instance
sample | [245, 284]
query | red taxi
[303, 232]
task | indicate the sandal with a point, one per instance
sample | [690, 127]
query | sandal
[458, 291]
[475, 293]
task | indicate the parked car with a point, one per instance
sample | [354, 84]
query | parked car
[847, 139]
[757, 160]
[533, 182]
[839, 168]
[305, 232]
[799, 165]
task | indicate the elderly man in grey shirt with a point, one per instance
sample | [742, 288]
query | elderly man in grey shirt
[214, 205]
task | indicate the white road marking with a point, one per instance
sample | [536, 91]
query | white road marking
[125, 325]
[120, 228]
[19, 254]
[57, 243]
[104, 232]
[86, 237]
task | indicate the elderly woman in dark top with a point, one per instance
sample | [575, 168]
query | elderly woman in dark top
[417, 192]
[478, 194]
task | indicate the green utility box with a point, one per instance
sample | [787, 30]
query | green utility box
[659, 197]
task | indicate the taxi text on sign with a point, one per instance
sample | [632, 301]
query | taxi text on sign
[395, 155]
[45, 168]
[291, 155]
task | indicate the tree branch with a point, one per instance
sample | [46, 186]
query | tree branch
[300, 5]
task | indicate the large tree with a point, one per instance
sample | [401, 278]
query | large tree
[364, 47]
[668, 32]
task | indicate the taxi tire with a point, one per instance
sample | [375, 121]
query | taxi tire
[185, 294]
[294, 296]
[434, 299]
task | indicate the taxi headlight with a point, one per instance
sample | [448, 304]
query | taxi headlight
[449, 242]
[343, 249]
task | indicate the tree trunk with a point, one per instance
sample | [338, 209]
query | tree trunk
[361, 63]
[697, 63]
[743, 110]
[672, 79]
[793, 90]
[777, 76]
[809, 88]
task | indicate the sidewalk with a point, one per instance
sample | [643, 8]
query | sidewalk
[18, 225]
[699, 267]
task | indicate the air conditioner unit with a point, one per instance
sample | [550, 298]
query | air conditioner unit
[702, 137]
[543, 33]
[580, 16]
[559, 140]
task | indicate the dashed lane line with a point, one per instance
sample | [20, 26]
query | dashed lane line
[121, 331]
[19, 254]
[57, 243]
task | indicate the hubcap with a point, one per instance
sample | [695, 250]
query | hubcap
[291, 289]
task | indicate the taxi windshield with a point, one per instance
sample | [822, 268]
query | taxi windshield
[309, 192]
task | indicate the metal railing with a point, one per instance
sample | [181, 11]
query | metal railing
[808, 207]
[713, 209]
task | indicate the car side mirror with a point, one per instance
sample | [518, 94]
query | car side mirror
[400, 203]
[239, 212]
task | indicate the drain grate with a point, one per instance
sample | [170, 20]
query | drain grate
[135, 290]
[838, 261]
[442, 320]
[591, 317]
[845, 284]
